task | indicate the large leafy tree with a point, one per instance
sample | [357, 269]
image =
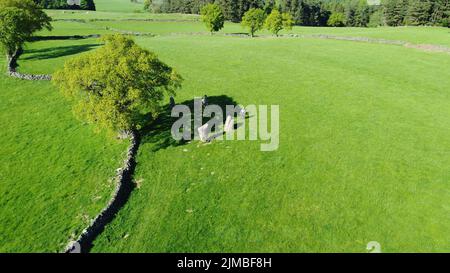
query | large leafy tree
[19, 19]
[254, 20]
[118, 85]
[213, 17]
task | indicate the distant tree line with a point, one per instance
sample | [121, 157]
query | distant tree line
[416, 12]
[63, 4]
[351, 13]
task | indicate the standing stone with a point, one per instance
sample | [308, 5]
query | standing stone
[203, 132]
[205, 100]
[242, 112]
[172, 102]
[229, 124]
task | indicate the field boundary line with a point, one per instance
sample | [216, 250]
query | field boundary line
[422, 47]
[124, 187]
[12, 66]
[125, 20]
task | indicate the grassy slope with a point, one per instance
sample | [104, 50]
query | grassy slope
[397, 175]
[364, 153]
[54, 171]
[106, 15]
[119, 5]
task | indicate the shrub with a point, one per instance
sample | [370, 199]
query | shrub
[445, 22]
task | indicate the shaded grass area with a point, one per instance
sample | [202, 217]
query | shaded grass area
[54, 172]
[46, 56]
[72, 28]
[364, 153]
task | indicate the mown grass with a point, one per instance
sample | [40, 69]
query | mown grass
[119, 5]
[364, 153]
[54, 171]
[415, 35]
[106, 15]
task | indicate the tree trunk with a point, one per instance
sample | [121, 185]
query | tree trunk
[12, 58]
[8, 62]
[125, 134]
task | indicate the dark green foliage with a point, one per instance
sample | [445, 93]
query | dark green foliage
[357, 13]
[376, 19]
[440, 14]
[395, 12]
[62, 4]
[87, 4]
[19, 19]
[419, 12]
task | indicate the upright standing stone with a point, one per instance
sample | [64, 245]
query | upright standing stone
[229, 124]
[203, 132]
[242, 112]
[205, 101]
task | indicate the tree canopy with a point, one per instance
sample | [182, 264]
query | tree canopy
[64, 4]
[19, 19]
[276, 21]
[254, 20]
[118, 86]
[357, 13]
[213, 17]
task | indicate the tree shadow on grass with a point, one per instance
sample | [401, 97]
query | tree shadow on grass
[158, 132]
[56, 52]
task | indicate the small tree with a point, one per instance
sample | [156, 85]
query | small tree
[19, 19]
[117, 86]
[276, 21]
[213, 17]
[254, 20]
[336, 19]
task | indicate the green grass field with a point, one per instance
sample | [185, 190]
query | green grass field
[364, 150]
[119, 5]
[54, 171]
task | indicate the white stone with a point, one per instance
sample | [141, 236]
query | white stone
[229, 124]
[243, 112]
[203, 132]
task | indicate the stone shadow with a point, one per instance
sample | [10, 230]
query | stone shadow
[158, 131]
